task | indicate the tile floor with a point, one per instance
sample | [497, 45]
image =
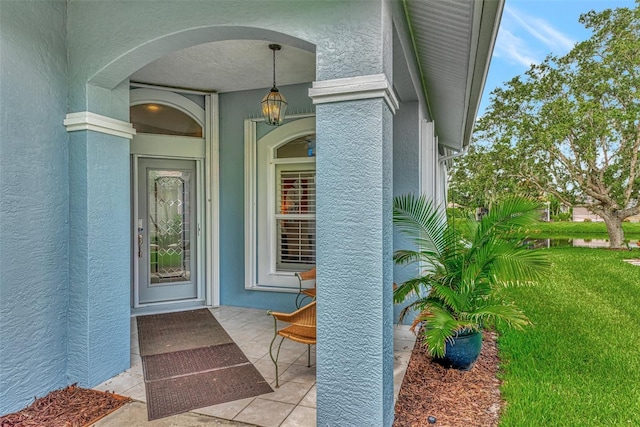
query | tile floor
[293, 404]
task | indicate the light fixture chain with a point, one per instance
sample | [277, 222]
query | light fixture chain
[274, 68]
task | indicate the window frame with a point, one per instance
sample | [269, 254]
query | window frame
[260, 190]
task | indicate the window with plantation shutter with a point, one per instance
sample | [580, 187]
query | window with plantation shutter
[280, 204]
[295, 217]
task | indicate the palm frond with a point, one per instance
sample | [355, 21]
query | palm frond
[412, 307]
[408, 256]
[506, 314]
[512, 214]
[410, 287]
[452, 298]
[439, 325]
[519, 265]
[420, 220]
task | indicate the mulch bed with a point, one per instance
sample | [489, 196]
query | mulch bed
[454, 398]
[69, 407]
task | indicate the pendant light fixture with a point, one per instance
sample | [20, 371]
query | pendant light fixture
[274, 105]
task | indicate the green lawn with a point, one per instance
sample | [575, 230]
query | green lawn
[580, 364]
[573, 228]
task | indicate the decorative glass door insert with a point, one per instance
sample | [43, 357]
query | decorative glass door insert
[169, 225]
[167, 230]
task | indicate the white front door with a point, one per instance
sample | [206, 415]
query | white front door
[167, 240]
[174, 202]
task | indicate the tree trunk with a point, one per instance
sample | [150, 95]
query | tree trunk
[614, 228]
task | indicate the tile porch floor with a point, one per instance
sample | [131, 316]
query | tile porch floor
[294, 403]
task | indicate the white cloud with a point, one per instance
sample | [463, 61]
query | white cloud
[514, 49]
[541, 30]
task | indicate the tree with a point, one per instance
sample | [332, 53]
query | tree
[571, 125]
[479, 179]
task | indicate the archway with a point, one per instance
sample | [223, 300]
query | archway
[125, 65]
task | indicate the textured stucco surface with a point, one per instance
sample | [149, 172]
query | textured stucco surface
[354, 188]
[406, 149]
[354, 249]
[386, 383]
[107, 43]
[33, 201]
[112, 103]
[99, 297]
[234, 108]
[406, 179]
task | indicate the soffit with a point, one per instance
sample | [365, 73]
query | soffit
[453, 42]
[229, 66]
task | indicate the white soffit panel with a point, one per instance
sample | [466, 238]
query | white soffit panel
[454, 42]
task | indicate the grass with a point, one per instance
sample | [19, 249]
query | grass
[627, 237]
[591, 228]
[580, 363]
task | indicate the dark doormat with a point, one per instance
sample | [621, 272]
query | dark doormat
[172, 396]
[169, 365]
[184, 330]
[189, 361]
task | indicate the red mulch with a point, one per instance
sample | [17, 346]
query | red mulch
[454, 398]
[69, 407]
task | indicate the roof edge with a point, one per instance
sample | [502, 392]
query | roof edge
[484, 39]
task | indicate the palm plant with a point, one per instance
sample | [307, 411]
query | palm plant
[464, 266]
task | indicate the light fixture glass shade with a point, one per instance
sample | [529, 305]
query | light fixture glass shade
[274, 107]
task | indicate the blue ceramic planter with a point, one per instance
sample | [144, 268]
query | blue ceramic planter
[462, 351]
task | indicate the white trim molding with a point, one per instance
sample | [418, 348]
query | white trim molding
[354, 88]
[212, 213]
[259, 184]
[86, 120]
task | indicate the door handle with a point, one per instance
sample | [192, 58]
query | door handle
[140, 239]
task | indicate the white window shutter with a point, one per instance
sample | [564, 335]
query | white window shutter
[295, 217]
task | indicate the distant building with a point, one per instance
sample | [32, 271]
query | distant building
[635, 218]
[580, 214]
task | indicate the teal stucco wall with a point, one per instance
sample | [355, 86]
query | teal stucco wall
[234, 108]
[355, 366]
[34, 229]
[406, 179]
[107, 43]
[99, 273]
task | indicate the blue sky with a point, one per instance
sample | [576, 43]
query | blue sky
[532, 29]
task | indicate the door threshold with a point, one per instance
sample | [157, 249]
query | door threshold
[168, 307]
